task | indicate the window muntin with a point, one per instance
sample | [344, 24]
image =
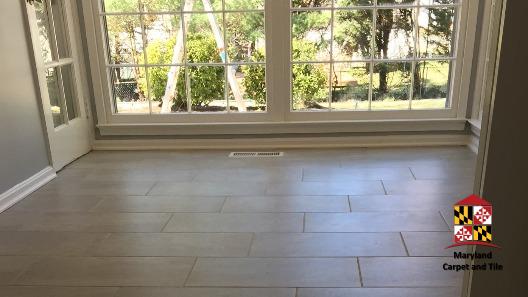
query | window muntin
[405, 48]
[211, 52]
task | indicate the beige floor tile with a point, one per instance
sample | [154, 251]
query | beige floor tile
[235, 222]
[48, 243]
[99, 187]
[326, 188]
[344, 174]
[207, 188]
[375, 222]
[414, 202]
[432, 244]
[261, 175]
[28, 291]
[11, 267]
[43, 202]
[327, 245]
[84, 222]
[287, 204]
[175, 244]
[275, 272]
[108, 271]
[206, 292]
[408, 272]
[459, 187]
[161, 204]
[443, 172]
[378, 292]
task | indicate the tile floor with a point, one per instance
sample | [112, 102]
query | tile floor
[314, 223]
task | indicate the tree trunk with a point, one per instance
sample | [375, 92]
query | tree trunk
[177, 57]
[223, 55]
[384, 23]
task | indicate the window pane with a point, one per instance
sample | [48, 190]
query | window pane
[59, 25]
[44, 31]
[121, 5]
[158, 78]
[436, 32]
[391, 85]
[311, 35]
[244, 4]
[125, 43]
[394, 33]
[211, 5]
[251, 84]
[352, 34]
[349, 3]
[310, 86]
[161, 5]
[57, 110]
[311, 3]
[162, 33]
[129, 96]
[245, 36]
[69, 91]
[207, 88]
[350, 86]
[202, 45]
[431, 85]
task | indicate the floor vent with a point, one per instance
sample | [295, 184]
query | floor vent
[255, 154]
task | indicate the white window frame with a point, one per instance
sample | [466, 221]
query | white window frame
[279, 118]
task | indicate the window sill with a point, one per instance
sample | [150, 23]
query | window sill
[270, 128]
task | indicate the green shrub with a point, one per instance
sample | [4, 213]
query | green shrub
[310, 81]
[255, 79]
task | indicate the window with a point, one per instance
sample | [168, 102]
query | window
[349, 55]
[228, 61]
[57, 60]
[188, 56]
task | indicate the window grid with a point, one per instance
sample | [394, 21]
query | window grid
[415, 6]
[182, 13]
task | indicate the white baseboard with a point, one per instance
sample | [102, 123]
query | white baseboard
[294, 142]
[28, 186]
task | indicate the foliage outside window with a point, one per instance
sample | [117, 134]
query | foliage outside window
[372, 54]
[182, 56]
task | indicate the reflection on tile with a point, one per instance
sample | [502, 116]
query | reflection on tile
[207, 188]
[275, 272]
[108, 272]
[408, 272]
[460, 187]
[161, 204]
[175, 244]
[287, 204]
[374, 222]
[206, 292]
[235, 222]
[326, 245]
[378, 292]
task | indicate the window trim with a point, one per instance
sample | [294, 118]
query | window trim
[277, 17]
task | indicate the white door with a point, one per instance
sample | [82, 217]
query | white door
[54, 37]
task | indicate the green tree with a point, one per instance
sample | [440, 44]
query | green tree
[310, 82]
[255, 79]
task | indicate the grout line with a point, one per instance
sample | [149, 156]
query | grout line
[444, 219]
[296, 292]
[251, 241]
[166, 223]
[349, 204]
[383, 185]
[359, 272]
[404, 245]
[150, 189]
[304, 222]
[412, 173]
[190, 271]
[223, 204]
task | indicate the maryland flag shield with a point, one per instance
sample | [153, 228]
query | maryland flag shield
[472, 218]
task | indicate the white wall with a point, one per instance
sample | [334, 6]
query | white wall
[23, 149]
